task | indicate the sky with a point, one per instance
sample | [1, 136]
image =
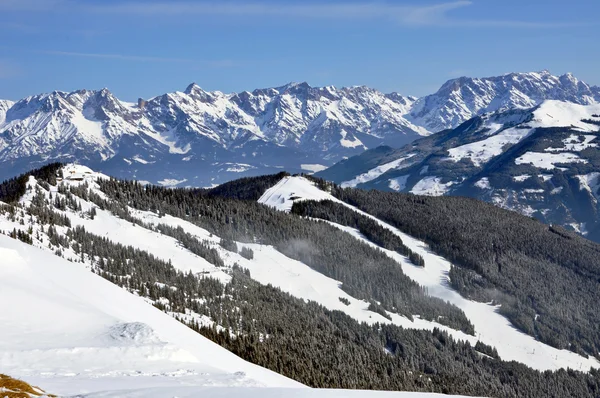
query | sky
[146, 48]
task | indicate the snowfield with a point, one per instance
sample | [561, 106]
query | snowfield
[548, 161]
[73, 332]
[480, 152]
[491, 328]
[549, 114]
[431, 186]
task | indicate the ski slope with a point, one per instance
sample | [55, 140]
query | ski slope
[491, 328]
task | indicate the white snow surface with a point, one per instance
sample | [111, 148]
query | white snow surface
[315, 168]
[376, 172]
[548, 161]
[521, 178]
[491, 327]
[398, 183]
[576, 143]
[72, 332]
[484, 183]
[548, 114]
[282, 195]
[458, 100]
[237, 392]
[480, 152]
[591, 183]
[565, 114]
[431, 186]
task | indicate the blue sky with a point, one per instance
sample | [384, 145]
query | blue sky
[146, 48]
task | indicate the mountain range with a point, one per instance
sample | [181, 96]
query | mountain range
[200, 138]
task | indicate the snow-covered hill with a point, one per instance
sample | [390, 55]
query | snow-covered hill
[537, 161]
[85, 335]
[200, 138]
[73, 332]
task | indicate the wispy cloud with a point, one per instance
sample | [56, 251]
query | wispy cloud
[439, 15]
[142, 58]
[32, 5]
[407, 15]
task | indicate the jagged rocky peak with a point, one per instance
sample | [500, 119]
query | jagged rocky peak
[197, 93]
[193, 88]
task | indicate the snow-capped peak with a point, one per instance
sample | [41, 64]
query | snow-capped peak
[463, 98]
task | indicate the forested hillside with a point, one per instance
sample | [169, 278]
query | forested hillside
[544, 276]
[296, 337]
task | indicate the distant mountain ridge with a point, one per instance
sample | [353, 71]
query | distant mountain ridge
[543, 162]
[458, 100]
[201, 138]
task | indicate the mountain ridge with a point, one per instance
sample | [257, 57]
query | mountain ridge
[541, 162]
[200, 138]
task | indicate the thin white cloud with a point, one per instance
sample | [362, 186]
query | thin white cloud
[140, 58]
[31, 5]
[123, 57]
[406, 15]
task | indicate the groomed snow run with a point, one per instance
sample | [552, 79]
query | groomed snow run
[491, 328]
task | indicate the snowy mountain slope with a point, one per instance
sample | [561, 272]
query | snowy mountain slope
[116, 345]
[235, 392]
[268, 265]
[491, 327]
[116, 340]
[524, 160]
[5, 105]
[459, 100]
[82, 334]
[50, 218]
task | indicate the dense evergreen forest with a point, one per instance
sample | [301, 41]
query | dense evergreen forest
[366, 273]
[544, 276]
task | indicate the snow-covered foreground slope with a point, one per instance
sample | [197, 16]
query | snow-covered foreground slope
[491, 328]
[73, 332]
